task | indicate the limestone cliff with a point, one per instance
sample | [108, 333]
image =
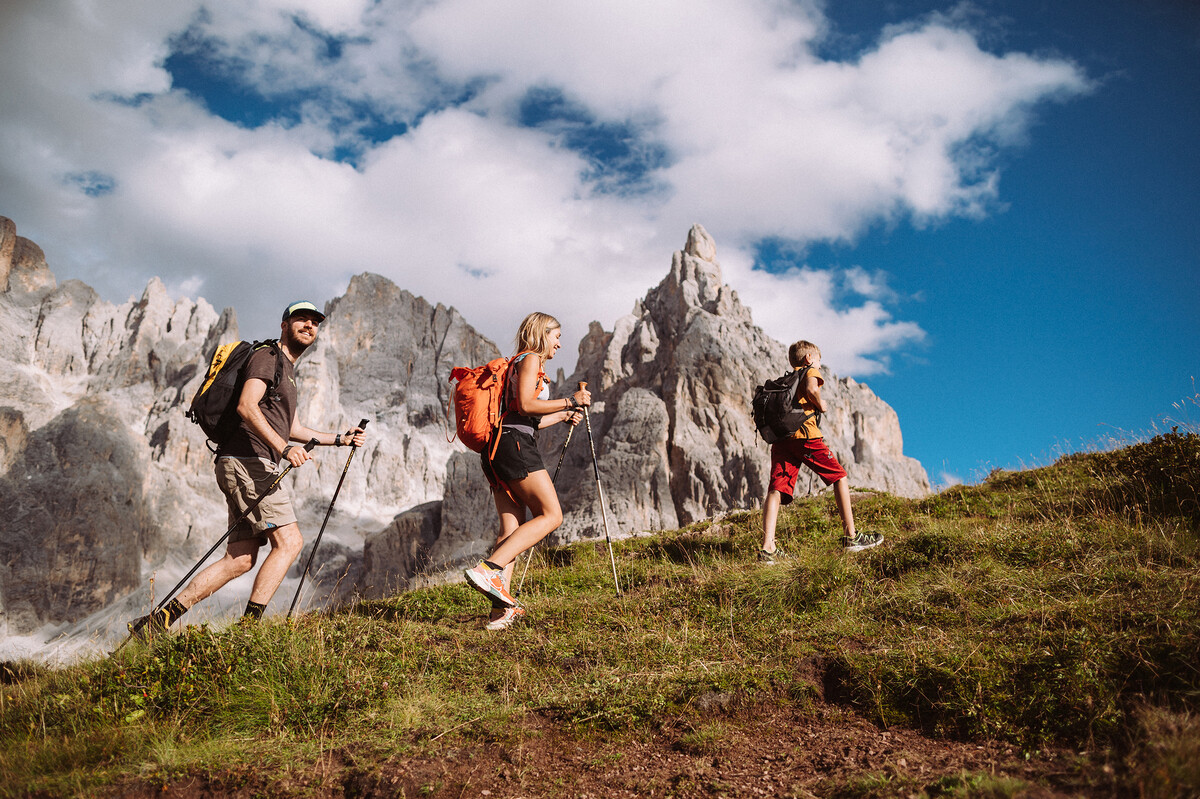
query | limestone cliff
[106, 491]
[672, 427]
[104, 484]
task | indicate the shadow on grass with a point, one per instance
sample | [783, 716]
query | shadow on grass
[689, 549]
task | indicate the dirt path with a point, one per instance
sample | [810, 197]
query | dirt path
[769, 751]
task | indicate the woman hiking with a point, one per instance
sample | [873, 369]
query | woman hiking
[518, 477]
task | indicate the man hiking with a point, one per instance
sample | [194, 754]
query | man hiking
[245, 467]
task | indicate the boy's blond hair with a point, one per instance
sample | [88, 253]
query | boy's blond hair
[534, 333]
[800, 351]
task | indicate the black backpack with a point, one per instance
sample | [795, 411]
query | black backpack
[774, 409]
[214, 407]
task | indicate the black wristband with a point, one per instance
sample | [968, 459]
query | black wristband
[337, 440]
[285, 451]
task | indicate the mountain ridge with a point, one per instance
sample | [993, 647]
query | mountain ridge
[95, 377]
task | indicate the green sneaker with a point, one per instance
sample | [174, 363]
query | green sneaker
[771, 557]
[862, 541]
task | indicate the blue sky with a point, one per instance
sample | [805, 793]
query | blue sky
[1070, 317]
[983, 210]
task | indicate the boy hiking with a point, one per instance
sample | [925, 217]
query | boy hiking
[807, 446]
[245, 466]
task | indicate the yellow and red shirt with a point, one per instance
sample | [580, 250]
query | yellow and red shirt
[809, 430]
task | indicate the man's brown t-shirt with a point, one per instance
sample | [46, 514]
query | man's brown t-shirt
[278, 406]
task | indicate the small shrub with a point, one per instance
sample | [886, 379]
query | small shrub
[1160, 477]
[814, 583]
[1164, 760]
[975, 786]
[925, 548]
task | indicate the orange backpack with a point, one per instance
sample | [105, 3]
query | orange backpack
[477, 400]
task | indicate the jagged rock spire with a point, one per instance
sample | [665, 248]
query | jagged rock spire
[91, 422]
[23, 269]
[673, 381]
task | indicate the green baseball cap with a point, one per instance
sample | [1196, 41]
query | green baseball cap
[302, 305]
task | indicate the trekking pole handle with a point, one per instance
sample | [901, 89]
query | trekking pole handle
[362, 426]
[312, 442]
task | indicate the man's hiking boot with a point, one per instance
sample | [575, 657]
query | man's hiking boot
[146, 627]
[507, 618]
[490, 583]
[862, 541]
[771, 557]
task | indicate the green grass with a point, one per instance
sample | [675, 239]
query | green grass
[1058, 605]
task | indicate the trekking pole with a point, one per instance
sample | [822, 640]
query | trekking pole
[171, 594]
[587, 418]
[554, 479]
[353, 449]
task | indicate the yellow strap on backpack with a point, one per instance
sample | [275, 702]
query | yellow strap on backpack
[218, 361]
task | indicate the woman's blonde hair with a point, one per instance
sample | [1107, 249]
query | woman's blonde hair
[534, 333]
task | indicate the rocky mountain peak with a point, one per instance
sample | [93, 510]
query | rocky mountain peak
[700, 244]
[694, 284]
[672, 417]
[104, 483]
[23, 269]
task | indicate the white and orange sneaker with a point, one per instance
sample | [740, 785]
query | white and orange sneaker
[490, 583]
[507, 618]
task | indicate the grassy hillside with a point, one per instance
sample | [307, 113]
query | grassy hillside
[1050, 616]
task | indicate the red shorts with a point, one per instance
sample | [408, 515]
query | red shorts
[789, 454]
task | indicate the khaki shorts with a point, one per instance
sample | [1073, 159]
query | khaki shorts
[241, 481]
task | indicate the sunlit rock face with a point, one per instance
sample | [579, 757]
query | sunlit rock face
[672, 428]
[106, 490]
[105, 484]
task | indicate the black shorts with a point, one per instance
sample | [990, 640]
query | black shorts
[516, 457]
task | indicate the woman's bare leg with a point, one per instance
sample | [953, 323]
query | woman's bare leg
[535, 492]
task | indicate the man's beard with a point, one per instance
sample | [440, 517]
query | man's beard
[294, 345]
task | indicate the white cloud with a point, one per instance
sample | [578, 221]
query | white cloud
[804, 303]
[470, 209]
[622, 57]
[873, 285]
[946, 480]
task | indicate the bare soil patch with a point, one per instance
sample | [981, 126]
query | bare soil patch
[766, 750]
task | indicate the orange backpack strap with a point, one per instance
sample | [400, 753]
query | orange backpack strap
[541, 378]
[457, 374]
[496, 433]
[493, 480]
[495, 445]
[503, 403]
